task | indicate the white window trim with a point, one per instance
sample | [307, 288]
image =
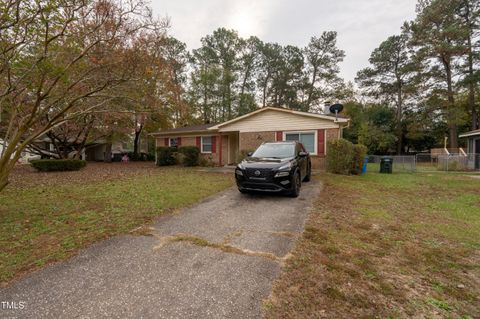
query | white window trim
[170, 141]
[315, 134]
[201, 143]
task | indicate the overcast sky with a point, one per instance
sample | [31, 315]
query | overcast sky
[361, 24]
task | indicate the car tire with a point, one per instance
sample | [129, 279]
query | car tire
[243, 191]
[308, 177]
[297, 184]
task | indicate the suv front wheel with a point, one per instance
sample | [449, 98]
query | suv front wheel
[308, 177]
[296, 185]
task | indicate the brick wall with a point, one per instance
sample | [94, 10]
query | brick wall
[318, 162]
[332, 134]
[189, 141]
[185, 141]
[249, 141]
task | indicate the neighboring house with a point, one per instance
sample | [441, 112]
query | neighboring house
[96, 151]
[93, 151]
[224, 142]
[473, 147]
[26, 155]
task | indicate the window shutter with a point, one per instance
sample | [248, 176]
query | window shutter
[279, 136]
[198, 141]
[214, 144]
[179, 141]
[321, 142]
[166, 141]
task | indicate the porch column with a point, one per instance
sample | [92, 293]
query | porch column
[220, 151]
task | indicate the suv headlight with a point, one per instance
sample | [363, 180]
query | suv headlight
[286, 167]
[238, 170]
[284, 170]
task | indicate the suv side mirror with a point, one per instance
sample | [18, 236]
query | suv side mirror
[302, 154]
[249, 153]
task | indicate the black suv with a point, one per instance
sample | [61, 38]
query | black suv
[275, 167]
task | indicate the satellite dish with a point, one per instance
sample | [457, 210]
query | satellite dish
[336, 108]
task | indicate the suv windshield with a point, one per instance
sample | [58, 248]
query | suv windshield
[275, 151]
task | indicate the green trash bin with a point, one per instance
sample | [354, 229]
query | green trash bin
[386, 165]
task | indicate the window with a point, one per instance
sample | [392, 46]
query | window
[206, 144]
[306, 138]
[173, 142]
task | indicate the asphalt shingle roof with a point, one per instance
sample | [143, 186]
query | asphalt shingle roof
[189, 128]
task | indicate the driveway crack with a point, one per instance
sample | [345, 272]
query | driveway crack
[202, 242]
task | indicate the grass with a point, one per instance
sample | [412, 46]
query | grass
[46, 223]
[386, 246]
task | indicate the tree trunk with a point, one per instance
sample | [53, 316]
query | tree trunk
[399, 117]
[136, 141]
[9, 158]
[471, 82]
[451, 116]
[265, 85]
[242, 88]
[310, 89]
[229, 104]
[471, 87]
[108, 152]
[205, 102]
[3, 179]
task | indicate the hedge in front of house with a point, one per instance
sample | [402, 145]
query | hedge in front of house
[339, 156]
[58, 165]
[166, 156]
[191, 155]
[359, 154]
[343, 157]
[140, 157]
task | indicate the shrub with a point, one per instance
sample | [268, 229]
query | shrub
[150, 156]
[141, 157]
[58, 165]
[166, 156]
[242, 155]
[343, 157]
[135, 157]
[359, 154]
[190, 154]
[339, 156]
[206, 161]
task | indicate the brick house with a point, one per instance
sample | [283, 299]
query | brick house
[222, 143]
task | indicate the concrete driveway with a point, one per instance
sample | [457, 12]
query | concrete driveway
[217, 259]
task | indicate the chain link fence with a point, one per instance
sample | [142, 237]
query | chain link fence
[448, 162]
[424, 162]
[401, 163]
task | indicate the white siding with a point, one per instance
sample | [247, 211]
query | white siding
[277, 121]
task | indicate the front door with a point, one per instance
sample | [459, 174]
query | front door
[232, 147]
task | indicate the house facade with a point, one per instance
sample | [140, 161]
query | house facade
[473, 148]
[225, 143]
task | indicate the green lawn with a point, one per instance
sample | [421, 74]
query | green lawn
[386, 246]
[41, 223]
